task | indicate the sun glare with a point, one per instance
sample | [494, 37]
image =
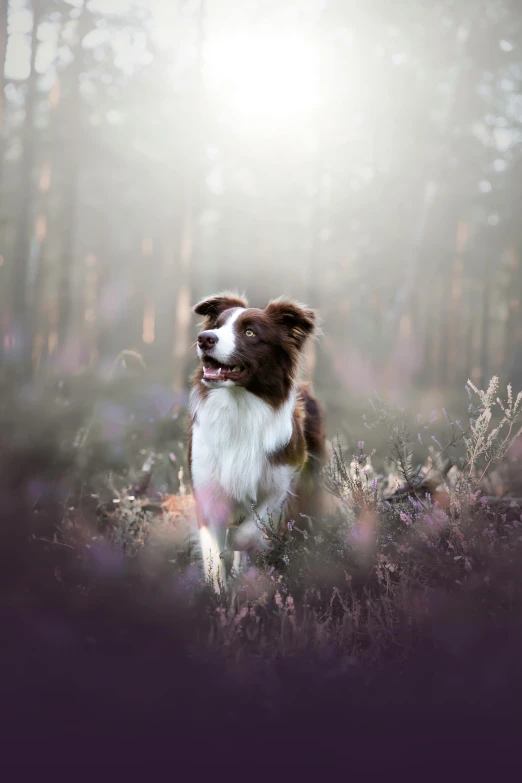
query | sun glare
[264, 82]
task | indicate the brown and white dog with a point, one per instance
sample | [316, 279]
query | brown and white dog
[256, 438]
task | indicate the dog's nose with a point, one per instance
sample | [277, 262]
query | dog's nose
[207, 340]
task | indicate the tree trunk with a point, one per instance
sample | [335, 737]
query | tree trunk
[70, 189]
[3, 50]
[20, 305]
[485, 324]
[41, 263]
[191, 198]
[513, 340]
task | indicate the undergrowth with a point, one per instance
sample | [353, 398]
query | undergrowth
[404, 539]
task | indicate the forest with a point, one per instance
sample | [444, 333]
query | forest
[363, 157]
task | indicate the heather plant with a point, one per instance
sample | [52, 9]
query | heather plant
[495, 424]
[410, 523]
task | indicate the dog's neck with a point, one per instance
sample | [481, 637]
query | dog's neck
[240, 431]
[236, 404]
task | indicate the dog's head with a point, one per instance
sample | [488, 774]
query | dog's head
[253, 348]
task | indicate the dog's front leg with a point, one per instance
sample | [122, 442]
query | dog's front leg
[255, 533]
[213, 514]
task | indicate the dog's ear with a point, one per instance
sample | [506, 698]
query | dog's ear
[217, 304]
[299, 321]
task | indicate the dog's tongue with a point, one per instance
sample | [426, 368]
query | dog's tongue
[213, 372]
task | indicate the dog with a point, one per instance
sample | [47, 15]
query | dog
[256, 435]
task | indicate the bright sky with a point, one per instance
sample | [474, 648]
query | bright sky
[264, 74]
[254, 89]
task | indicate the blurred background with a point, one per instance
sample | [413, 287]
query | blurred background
[362, 157]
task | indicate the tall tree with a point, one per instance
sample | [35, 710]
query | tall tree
[72, 153]
[4, 6]
[190, 209]
[20, 304]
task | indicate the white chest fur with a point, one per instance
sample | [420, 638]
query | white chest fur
[233, 434]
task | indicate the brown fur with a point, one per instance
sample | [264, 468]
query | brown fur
[306, 450]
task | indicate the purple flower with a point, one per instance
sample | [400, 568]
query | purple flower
[406, 518]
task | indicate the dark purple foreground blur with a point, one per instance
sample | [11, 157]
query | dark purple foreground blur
[102, 667]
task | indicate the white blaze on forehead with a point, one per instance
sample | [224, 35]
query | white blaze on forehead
[226, 344]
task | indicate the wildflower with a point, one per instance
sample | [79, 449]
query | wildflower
[415, 503]
[290, 524]
[419, 438]
[406, 518]
[242, 614]
[361, 444]
[278, 600]
[285, 559]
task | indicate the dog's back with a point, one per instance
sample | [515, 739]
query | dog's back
[309, 495]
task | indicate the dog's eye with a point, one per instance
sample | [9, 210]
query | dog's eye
[249, 333]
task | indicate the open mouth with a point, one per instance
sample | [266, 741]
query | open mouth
[216, 371]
